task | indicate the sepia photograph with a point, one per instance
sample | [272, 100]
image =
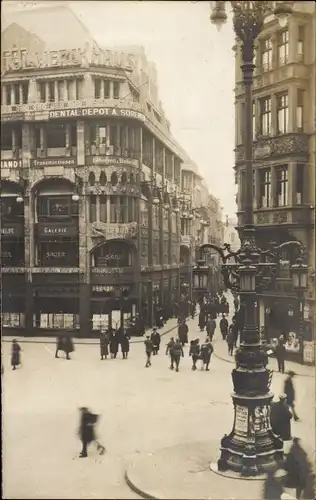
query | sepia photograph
[157, 185]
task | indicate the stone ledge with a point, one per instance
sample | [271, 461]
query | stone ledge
[183, 471]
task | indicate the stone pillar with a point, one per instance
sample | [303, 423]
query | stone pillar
[84, 265]
[292, 184]
[292, 100]
[29, 243]
[80, 142]
[273, 187]
[87, 87]
[274, 118]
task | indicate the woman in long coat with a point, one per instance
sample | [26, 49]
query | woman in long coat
[125, 345]
[15, 354]
[202, 319]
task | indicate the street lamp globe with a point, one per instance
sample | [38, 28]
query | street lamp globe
[218, 15]
[156, 201]
[299, 275]
[282, 12]
[19, 199]
[176, 210]
[75, 197]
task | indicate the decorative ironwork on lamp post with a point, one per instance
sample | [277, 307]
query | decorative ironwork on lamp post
[251, 447]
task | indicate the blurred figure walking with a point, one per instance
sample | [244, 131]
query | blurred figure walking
[177, 353]
[15, 354]
[169, 351]
[194, 352]
[300, 473]
[206, 353]
[290, 393]
[104, 342]
[149, 350]
[87, 431]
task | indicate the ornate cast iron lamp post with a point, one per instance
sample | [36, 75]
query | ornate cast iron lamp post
[251, 447]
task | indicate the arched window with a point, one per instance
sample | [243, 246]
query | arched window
[91, 179]
[103, 179]
[114, 179]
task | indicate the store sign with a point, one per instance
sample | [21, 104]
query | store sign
[9, 117]
[15, 231]
[107, 270]
[21, 60]
[54, 162]
[11, 163]
[96, 112]
[50, 230]
[241, 420]
[110, 160]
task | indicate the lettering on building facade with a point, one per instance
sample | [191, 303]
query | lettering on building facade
[55, 230]
[11, 163]
[110, 160]
[21, 60]
[93, 112]
[53, 162]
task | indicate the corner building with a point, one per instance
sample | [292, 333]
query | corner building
[284, 155]
[90, 231]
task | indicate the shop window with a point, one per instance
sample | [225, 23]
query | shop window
[63, 253]
[113, 254]
[59, 320]
[12, 253]
[10, 208]
[54, 206]
[13, 320]
[56, 135]
[103, 208]
[93, 208]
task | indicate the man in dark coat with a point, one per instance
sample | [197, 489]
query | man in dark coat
[114, 343]
[139, 325]
[86, 429]
[210, 328]
[290, 393]
[170, 352]
[280, 355]
[149, 349]
[300, 473]
[194, 352]
[202, 319]
[230, 342]
[159, 317]
[125, 345]
[64, 343]
[223, 325]
[155, 338]
[183, 332]
[177, 353]
[15, 354]
[280, 419]
[104, 341]
[192, 309]
[206, 353]
[233, 329]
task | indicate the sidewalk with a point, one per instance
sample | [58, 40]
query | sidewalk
[168, 327]
[221, 352]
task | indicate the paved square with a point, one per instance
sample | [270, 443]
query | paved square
[142, 410]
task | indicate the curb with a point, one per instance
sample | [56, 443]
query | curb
[137, 490]
[93, 342]
[233, 362]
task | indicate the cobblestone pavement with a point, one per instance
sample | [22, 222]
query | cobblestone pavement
[142, 410]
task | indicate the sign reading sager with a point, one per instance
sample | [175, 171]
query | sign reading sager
[93, 112]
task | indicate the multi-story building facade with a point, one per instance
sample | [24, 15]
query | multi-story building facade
[284, 153]
[90, 181]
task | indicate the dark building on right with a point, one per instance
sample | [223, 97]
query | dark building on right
[284, 110]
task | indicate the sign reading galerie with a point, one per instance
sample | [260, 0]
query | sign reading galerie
[93, 112]
[51, 230]
[54, 162]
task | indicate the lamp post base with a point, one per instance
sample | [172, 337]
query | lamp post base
[251, 448]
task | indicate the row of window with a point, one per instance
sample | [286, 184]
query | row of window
[266, 49]
[57, 320]
[266, 122]
[277, 194]
[113, 209]
[106, 89]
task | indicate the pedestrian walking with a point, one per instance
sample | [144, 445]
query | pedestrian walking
[223, 325]
[194, 352]
[290, 393]
[206, 353]
[64, 343]
[169, 351]
[104, 341]
[177, 353]
[149, 349]
[114, 343]
[236, 303]
[300, 473]
[280, 418]
[125, 345]
[202, 318]
[155, 338]
[233, 329]
[230, 342]
[15, 354]
[183, 331]
[210, 328]
[273, 485]
[280, 354]
[86, 433]
[192, 309]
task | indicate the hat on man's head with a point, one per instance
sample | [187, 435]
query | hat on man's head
[282, 397]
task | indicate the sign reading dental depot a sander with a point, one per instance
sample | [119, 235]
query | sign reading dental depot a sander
[93, 112]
